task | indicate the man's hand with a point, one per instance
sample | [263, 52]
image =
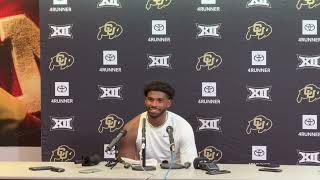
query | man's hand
[12, 111]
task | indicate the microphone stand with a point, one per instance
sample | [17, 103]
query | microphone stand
[143, 151]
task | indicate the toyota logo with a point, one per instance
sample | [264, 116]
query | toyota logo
[258, 152]
[208, 89]
[309, 27]
[258, 57]
[110, 57]
[309, 122]
[158, 27]
[62, 89]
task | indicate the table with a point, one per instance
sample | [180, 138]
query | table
[20, 170]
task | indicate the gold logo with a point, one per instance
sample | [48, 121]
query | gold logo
[259, 123]
[309, 3]
[212, 153]
[25, 52]
[62, 60]
[111, 122]
[310, 93]
[259, 30]
[159, 4]
[110, 29]
[62, 154]
[208, 60]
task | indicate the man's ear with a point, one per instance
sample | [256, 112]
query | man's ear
[169, 103]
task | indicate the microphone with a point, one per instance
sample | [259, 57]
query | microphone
[89, 160]
[171, 139]
[116, 139]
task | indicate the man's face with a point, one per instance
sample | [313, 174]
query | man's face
[156, 103]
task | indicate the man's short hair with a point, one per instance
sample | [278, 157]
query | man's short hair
[159, 86]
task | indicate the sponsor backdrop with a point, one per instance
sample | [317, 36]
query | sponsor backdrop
[245, 71]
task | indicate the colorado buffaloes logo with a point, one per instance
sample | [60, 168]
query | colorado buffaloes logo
[212, 153]
[62, 60]
[209, 60]
[309, 3]
[309, 157]
[159, 4]
[111, 122]
[62, 154]
[259, 30]
[63, 31]
[259, 123]
[310, 92]
[308, 61]
[258, 3]
[110, 29]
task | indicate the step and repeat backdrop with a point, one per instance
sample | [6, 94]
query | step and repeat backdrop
[246, 74]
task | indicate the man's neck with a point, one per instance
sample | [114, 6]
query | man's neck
[158, 121]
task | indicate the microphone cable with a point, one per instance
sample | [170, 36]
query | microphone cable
[173, 159]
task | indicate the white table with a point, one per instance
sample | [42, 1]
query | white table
[20, 170]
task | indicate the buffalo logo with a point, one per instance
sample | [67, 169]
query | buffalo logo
[159, 4]
[111, 122]
[110, 29]
[208, 60]
[310, 92]
[62, 60]
[309, 157]
[309, 3]
[259, 123]
[212, 153]
[259, 30]
[62, 154]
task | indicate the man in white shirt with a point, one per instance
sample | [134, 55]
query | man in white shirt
[158, 98]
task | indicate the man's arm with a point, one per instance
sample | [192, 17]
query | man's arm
[188, 149]
[128, 143]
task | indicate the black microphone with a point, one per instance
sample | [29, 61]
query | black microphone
[116, 139]
[89, 160]
[171, 139]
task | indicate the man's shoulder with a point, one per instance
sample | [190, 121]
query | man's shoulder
[133, 123]
[177, 118]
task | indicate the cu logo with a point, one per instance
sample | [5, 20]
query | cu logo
[309, 27]
[258, 57]
[110, 57]
[259, 152]
[208, 89]
[158, 27]
[309, 122]
[62, 89]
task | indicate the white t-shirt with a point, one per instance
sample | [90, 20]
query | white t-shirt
[157, 139]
